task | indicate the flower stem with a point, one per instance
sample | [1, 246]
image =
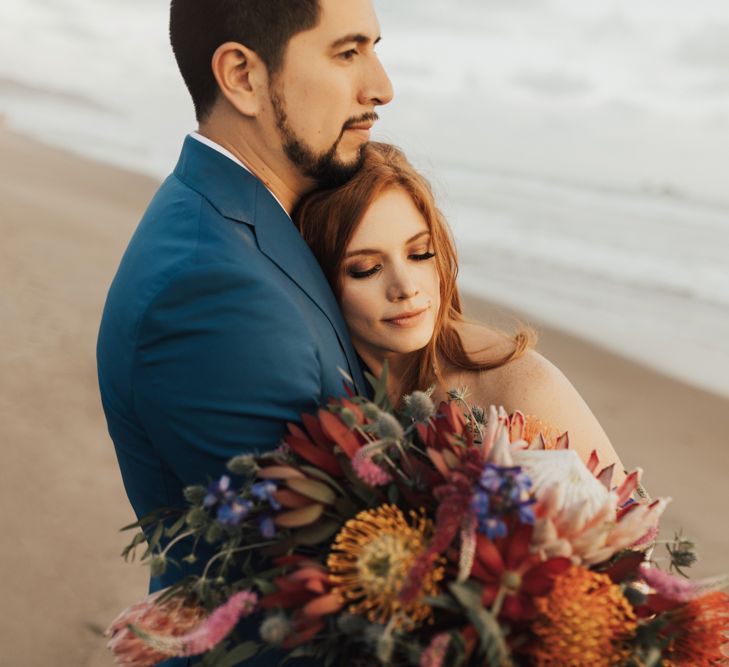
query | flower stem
[229, 552]
[179, 538]
[499, 601]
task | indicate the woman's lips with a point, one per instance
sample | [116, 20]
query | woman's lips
[409, 319]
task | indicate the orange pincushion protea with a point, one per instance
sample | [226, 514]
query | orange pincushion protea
[585, 621]
[371, 559]
[702, 626]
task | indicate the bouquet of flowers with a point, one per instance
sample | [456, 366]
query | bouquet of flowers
[432, 537]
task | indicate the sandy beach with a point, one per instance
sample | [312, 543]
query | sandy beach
[65, 222]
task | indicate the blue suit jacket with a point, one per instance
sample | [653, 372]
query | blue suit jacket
[219, 327]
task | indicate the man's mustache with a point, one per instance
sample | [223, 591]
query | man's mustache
[364, 118]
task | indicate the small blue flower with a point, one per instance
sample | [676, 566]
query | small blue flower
[502, 491]
[492, 527]
[218, 492]
[265, 491]
[481, 504]
[491, 478]
[267, 527]
[231, 514]
[526, 512]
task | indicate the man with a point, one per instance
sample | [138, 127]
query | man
[219, 326]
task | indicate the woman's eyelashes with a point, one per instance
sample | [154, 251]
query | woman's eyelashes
[359, 272]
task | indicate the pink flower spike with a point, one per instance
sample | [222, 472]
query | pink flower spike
[606, 476]
[629, 485]
[679, 588]
[368, 471]
[516, 426]
[435, 654]
[593, 461]
[209, 633]
[649, 537]
[669, 586]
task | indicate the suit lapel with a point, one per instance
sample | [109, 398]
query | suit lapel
[240, 196]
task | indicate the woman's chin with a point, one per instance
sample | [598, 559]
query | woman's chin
[407, 344]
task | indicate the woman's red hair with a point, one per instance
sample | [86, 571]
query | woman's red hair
[328, 219]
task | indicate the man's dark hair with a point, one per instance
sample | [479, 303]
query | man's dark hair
[199, 27]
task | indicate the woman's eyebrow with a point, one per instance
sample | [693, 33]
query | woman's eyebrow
[373, 251]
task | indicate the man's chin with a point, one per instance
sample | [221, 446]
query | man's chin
[350, 157]
[340, 169]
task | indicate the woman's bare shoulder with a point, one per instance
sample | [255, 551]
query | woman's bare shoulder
[519, 384]
[535, 386]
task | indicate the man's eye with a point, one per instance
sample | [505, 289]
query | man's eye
[363, 273]
[348, 55]
[422, 256]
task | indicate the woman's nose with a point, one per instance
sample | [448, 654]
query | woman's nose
[402, 288]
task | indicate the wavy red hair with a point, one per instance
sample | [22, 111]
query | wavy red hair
[328, 219]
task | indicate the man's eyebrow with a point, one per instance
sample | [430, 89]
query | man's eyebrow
[372, 251]
[355, 37]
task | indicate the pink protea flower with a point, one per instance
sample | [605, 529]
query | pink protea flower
[435, 654]
[368, 471]
[174, 617]
[147, 633]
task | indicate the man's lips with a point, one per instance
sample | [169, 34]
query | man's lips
[409, 318]
[361, 130]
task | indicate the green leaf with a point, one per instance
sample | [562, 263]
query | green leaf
[442, 602]
[379, 385]
[175, 527]
[316, 534]
[150, 518]
[324, 477]
[153, 542]
[300, 652]
[238, 654]
[266, 587]
[212, 656]
[393, 494]
[130, 549]
[313, 489]
[489, 631]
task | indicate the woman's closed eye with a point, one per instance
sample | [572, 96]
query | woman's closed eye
[359, 273]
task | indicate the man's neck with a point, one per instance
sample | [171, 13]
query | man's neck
[279, 176]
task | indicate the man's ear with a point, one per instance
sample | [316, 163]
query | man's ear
[241, 77]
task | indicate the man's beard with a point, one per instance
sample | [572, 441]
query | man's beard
[325, 169]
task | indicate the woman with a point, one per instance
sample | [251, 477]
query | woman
[389, 257]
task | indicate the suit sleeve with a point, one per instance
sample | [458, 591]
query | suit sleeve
[224, 360]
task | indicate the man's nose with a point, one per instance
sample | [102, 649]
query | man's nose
[377, 88]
